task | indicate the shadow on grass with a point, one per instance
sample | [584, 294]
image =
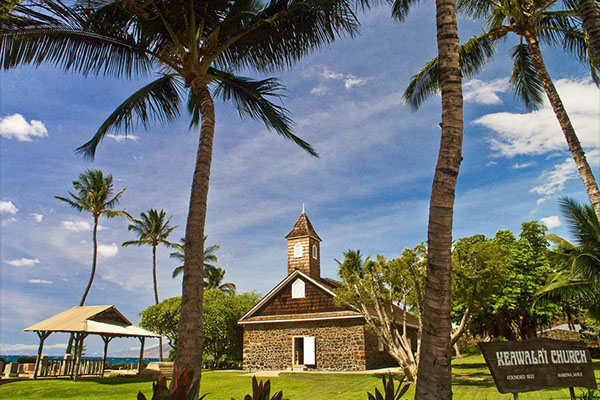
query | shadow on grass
[470, 366]
[473, 383]
[117, 380]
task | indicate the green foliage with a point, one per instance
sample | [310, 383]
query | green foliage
[590, 394]
[151, 229]
[26, 359]
[223, 337]
[262, 391]
[163, 318]
[209, 256]
[182, 387]
[389, 393]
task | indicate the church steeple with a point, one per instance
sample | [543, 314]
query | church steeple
[304, 251]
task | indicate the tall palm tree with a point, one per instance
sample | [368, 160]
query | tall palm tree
[209, 257]
[213, 279]
[94, 195]
[434, 379]
[578, 265]
[152, 229]
[195, 46]
[533, 22]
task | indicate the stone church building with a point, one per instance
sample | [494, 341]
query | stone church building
[297, 324]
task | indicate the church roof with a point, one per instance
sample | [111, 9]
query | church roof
[303, 227]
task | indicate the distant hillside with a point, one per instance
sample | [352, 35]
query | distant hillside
[149, 352]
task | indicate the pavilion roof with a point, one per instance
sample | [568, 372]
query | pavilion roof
[99, 320]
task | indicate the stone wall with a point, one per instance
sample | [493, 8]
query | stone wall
[340, 344]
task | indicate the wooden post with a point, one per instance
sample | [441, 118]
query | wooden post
[572, 393]
[43, 335]
[142, 339]
[515, 396]
[107, 340]
[79, 337]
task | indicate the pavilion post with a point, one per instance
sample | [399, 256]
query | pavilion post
[107, 340]
[79, 337]
[42, 335]
[140, 367]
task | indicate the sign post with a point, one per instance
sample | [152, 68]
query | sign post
[539, 363]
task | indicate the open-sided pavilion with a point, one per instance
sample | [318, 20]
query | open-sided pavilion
[105, 321]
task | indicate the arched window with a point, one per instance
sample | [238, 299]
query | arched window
[298, 250]
[298, 289]
[314, 251]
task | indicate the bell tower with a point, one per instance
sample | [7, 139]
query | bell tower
[304, 248]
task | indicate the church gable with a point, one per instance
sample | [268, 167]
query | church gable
[315, 299]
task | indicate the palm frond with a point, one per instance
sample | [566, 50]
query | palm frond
[278, 35]
[473, 55]
[158, 101]
[524, 79]
[400, 8]
[251, 98]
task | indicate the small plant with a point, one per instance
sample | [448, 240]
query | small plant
[389, 393]
[262, 391]
[26, 359]
[589, 395]
[181, 387]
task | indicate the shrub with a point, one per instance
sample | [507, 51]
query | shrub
[389, 393]
[26, 359]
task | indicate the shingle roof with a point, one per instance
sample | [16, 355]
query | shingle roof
[303, 227]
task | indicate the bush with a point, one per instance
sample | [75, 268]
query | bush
[26, 359]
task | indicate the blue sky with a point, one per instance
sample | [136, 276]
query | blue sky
[369, 190]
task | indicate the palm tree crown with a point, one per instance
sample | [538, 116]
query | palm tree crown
[209, 256]
[94, 194]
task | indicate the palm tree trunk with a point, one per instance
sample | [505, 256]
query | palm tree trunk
[94, 258]
[160, 342]
[585, 171]
[189, 342]
[591, 24]
[434, 377]
[89, 285]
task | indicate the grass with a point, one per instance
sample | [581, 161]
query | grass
[472, 381]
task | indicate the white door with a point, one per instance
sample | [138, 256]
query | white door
[309, 350]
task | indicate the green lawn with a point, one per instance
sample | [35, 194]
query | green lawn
[472, 382]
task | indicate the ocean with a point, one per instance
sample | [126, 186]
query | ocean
[110, 360]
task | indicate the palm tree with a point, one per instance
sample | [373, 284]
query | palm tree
[195, 46]
[209, 257]
[94, 195]
[578, 265]
[532, 22]
[152, 229]
[213, 279]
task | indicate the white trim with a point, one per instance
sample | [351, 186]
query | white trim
[299, 319]
[303, 236]
[281, 284]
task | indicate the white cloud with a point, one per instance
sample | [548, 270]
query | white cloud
[551, 222]
[7, 207]
[8, 221]
[18, 348]
[108, 250]
[350, 82]
[77, 226]
[484, 92]
[555, 180]
[40, 281]
[122, 138]
[519, 166]
[490, 163]
[538, 132]
[17, 127]
[23, 262]
[37, 217]
[540, 201]
[320, 90]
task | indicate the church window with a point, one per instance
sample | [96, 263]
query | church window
[298, 289]
[314, 251]
[298, 250]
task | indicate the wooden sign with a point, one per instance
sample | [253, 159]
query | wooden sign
[539, 363]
